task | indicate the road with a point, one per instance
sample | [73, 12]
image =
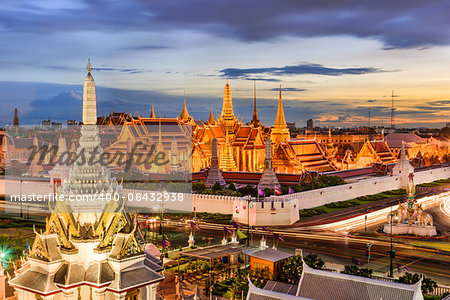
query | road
[339, 249]
[346, 213]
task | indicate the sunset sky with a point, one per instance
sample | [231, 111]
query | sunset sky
[333, 59]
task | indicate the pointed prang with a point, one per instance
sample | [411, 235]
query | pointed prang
[184, 113]
[211, 120]
[255, 119]
[280, 121]
[152, 115]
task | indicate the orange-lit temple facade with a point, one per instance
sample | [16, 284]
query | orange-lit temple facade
[240, 146]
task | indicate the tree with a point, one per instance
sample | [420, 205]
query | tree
[428, 284]
[248, 190]
[216, 187]
[314, 261]
[354, 270]
[292, 269]
[232, 187]
[199, 187]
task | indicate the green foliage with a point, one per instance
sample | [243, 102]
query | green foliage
[428, 285]
[269, 192]
[248, 190]
[435, 183]
[216, 187]
[330, 207]
[292, 267]
[314, 261]
[354, 270]
[200, 188]
[291, 270]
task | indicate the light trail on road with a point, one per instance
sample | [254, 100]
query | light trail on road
[376, 217]
[445, 206]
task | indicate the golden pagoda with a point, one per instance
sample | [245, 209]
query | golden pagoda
[152, 115]
[227, 161]
[227, 116]
[280, 131]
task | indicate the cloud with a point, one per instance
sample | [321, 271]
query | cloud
[65, 105]
[37, 101]
[147, 47]
[286, 89]
[301, 69]
[396, 24]
[125, 70]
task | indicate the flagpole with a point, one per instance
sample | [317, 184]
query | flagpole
[248, 221]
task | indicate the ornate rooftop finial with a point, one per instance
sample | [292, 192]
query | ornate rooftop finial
[211, 120]
[280, 121]
[255, 119]
[184, 113]
[89, 66]
[152, 115]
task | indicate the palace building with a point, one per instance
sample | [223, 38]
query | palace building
[241, 147]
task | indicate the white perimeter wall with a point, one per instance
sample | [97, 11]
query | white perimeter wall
[280, 216]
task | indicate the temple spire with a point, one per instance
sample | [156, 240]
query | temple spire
[211, 120]
[280, 131]
[89, 98]
[152, 115]
[280, 121]
[227, 115]
[255, 119]
[184, 113]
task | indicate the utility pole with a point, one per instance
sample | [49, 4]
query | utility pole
[393, 110]
[391, 252]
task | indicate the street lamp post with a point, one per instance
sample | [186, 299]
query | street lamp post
[365, 222]
[369, 246]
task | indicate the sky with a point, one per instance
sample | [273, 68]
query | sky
[335, 60]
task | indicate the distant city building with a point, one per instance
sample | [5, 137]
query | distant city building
[291, 125]
[447, 125]
[310, 124]
[57, 125]
[46, 122]
[72, 122]
[16, 118]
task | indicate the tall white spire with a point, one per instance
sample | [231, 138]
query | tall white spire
[89, 98]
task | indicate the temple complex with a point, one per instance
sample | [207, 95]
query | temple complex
[93, 249]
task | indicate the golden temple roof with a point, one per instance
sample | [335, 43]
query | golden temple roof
[280, 121]
[153, 115]
[211, 120]
[184, 113]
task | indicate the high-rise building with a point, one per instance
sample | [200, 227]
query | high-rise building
[16, 118]
[310, 124]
